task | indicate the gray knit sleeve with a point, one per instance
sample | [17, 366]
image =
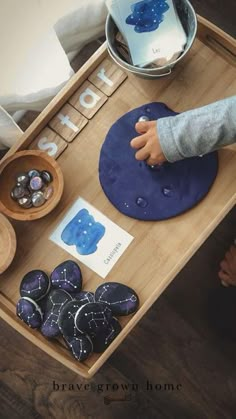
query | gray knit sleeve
[198, 131]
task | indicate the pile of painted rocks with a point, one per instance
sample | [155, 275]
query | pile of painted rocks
[57, 306]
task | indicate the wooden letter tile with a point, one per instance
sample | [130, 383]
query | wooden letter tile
[68, 122]
[88, 99]
[50, 142]
[107, 77]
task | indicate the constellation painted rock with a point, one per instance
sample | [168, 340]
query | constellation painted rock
[92, 318]
[35, 285]
[121, 299]
[147, 15]
[56, 300]
[66, 320]
[29, 312]
[104, 338]
[67, 276]
[83, 296]
[83, 232]
[81, 347]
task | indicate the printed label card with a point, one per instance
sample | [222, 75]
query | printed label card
[152, 29]
[91, 237]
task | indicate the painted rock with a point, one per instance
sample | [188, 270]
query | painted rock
[56, 300]
[83, 296]
[121, 299]
[92, 318]
[66, 320]
[29, 312]
[67, 276]
[81, 346]
[35, 285]
[104, 338]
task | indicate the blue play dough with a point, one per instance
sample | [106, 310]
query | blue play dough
[83, 232]
[146, 193]
[147, 15]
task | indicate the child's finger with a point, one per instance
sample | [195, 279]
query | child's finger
[142, 154]
[152, 162]
[142, 127]
[139, 142]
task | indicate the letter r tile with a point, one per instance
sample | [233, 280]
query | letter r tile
[68, 122]
[88, 99]
[49, 142]
[107, 77]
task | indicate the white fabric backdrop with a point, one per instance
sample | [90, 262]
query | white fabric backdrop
[35, 36]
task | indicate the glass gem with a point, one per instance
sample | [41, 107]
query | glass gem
[141, 202]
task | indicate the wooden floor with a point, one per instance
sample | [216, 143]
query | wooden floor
[179, 341]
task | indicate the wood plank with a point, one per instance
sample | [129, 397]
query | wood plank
[50, 142]
[68, 123]
[107, 77]
[88, 99]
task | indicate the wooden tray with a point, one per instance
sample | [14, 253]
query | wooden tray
[159, 249]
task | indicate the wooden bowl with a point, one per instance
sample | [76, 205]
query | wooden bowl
[24, 161]
[7, 243]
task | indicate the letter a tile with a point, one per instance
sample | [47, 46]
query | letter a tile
[49, 142]
[68, 123]
[88, 99]
[107, 77]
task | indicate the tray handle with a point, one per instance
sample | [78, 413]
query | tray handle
[218, 40]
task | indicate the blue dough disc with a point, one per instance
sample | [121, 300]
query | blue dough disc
[146, 193]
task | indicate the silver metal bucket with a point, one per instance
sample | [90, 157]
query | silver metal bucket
[188, 19]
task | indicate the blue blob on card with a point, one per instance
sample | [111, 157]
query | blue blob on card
[83, 232]
[147, 15]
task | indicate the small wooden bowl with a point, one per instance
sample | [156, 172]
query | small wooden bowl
[23, 161]
[7, 243]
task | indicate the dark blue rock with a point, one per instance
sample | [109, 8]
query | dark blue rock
[83, 296]
[103, 338]
[83, 232]
[81, 347]
[66, 320]
[35, 285]
[29, 312]
[137, 190]
[121, 299]
[91, 318]
[56, 300]
[67, 276]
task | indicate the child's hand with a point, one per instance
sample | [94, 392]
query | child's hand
[148, 143]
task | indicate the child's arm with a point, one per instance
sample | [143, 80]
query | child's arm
[189, 134]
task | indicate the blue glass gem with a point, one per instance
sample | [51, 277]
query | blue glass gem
[36, 183]
[32, 173]
[38, 199]
[143, 118]
[141, 202]
[167, 191]
[22, 179]
[46, 176]
[18, 192]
